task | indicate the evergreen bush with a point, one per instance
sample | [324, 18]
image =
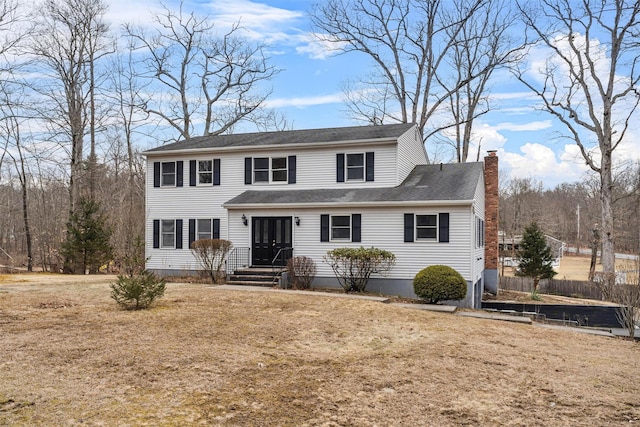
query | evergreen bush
[137, 291]
[439, 283]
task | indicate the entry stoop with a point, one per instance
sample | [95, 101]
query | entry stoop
[256, 276]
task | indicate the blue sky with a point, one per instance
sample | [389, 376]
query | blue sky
[308, 90]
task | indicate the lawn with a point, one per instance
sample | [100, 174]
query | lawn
[202, 356]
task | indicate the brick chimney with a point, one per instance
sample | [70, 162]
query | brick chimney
[491, 222]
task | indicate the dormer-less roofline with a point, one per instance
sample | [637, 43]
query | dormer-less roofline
[331, 137]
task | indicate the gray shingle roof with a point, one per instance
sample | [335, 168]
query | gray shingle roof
[306, 136]
[447, 182]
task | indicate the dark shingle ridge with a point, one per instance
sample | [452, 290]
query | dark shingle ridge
[303, 136]
[440, 182]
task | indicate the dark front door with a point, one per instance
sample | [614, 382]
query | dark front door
[270, 235]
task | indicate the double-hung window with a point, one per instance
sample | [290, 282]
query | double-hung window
[427, 227]
[205, 172]
[261, 169]
[168, 174]
[204, 230]
[278, 169]
[168, 234]
[341, 227]
[355, 167]
[272, 169]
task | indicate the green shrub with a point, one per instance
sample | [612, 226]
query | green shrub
[438, 283]
[137, 291]
[302, 271]
[354, 266]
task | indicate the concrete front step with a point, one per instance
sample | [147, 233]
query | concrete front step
[255, 276]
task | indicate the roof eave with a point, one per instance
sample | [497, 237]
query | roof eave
[253, 148]
[395, 203]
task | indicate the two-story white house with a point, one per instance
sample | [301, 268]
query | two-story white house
[319, 189]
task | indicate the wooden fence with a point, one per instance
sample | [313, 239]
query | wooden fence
[567, 288]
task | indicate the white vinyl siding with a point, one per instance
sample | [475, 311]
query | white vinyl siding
[410, 152]
[381, 228]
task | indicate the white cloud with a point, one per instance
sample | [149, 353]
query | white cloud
[524, 127]
[317, 47]
[304, 101]
[542, 163]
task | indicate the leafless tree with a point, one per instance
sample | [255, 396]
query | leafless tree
[589, 82]
[200, 77]
[483, 45]
[410, 43]
[66, 44]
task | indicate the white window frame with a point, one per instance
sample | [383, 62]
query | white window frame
[271, 170]
[274, 170]
[198, 232]
[202, 173]
[362, 167]
[167, 233]
[341, 227]
[164, 174]
[426, 227]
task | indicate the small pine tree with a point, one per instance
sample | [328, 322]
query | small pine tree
[87, 245]
[534, 256]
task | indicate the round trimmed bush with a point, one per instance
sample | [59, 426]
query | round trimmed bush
[439, 283]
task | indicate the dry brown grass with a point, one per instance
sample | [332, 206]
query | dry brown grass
[69, 356]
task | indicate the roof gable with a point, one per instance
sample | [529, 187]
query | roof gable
[301, 137]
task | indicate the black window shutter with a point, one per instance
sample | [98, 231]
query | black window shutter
[340, 167]
[216, 171]
[408, 227]
[179, 173]
[247, 170]
[156, 174]
[216, 228]
[192, 173]
[443, 225]
[324, 228]
[156, 233]
[178, 234]
[370, 166]
[356, 221]
[292, 169]
[192, 231]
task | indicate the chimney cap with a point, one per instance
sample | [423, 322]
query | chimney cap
[492, 153]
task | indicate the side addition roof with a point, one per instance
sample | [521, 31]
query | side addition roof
[306, 136]
[452, 183]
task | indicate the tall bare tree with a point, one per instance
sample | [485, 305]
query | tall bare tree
[483, 45]
[589, 82]
[201, 78]
[66, 45]
[410, 43]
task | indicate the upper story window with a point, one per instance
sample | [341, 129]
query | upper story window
[355, 166]
[270, 170]
[261, 169]
[168, 174]
[427, 227]
[205, 172]
[279, 169]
